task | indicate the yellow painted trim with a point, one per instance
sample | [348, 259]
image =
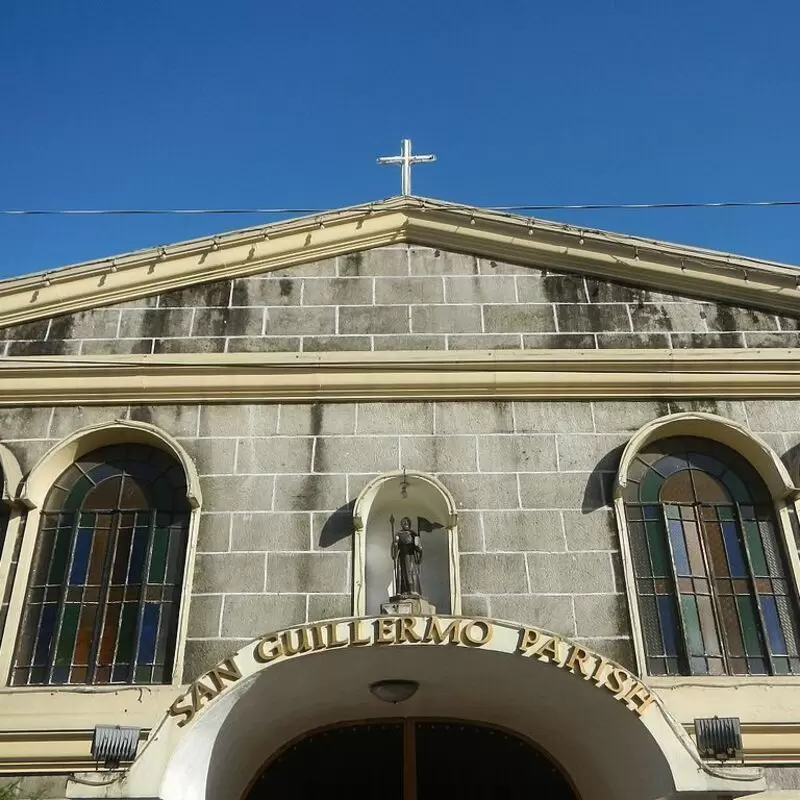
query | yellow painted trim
[710, 426]
[54, 751]
[11, 480]
[49, 751]
[767, 743]
[151, 272]
[33, 493]
[305, 377]
[630, 260]
[652, 264]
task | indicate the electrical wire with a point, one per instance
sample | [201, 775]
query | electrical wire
[42, 212]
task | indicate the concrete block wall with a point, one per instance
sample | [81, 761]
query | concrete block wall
[531, 480]
[400, 298]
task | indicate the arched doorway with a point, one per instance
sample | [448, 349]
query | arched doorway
[411, 759]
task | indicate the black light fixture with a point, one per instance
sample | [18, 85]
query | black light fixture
[114, 744]
[394, 691]
[719, 737]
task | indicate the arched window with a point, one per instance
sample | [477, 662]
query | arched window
[711, 575]
[105, 588]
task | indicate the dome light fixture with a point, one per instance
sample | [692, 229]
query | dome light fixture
[394, 691]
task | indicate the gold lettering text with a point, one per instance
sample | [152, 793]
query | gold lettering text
[302, 642]
[330, 627]
[186, 710]
[531, 641]
[200, 692]
[618, 681]
[639, 698]
[601, 671]
[384, 630]
[551, 650]
[405, 630]
[317, 640]
[484, 633]
[357, 636]
[228, 670]
[268, 649]
[548, 648]
[434, 633]
[585, 661]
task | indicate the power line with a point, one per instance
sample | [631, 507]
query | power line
[614, 206]
[39, 212]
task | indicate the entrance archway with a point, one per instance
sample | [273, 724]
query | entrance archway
[607, 730]
[410, 759]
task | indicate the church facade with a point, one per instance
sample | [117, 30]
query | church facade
[400, 499]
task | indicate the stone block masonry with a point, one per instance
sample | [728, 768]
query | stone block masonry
[401, 298]
[531, 481]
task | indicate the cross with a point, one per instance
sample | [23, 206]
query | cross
[405, 160]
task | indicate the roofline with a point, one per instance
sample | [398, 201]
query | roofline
[412, 202]
[415, 220]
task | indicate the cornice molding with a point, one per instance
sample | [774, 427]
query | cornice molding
[54, 751]
[503, 237]
[154, 272]
[49, 751]
[447, 375]
[666, 270]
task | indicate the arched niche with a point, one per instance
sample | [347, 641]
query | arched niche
[432, 511]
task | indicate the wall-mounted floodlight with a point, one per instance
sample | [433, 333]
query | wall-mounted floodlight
[719, 737]
[114, 744]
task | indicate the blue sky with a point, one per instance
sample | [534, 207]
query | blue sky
[247, 103]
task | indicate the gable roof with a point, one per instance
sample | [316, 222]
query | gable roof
[417, 220]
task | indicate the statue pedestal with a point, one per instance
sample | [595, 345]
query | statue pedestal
[400, 606]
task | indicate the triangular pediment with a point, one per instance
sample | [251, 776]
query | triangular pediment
[523, 241]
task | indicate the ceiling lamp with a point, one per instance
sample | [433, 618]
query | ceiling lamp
[394, 691]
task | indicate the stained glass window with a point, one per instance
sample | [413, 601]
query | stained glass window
[711, 574]
[105, 588]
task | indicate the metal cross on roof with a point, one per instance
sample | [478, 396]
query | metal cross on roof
[405, 160]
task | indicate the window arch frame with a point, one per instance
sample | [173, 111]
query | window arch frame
[33, 494]
[9, 488]
[764, 461]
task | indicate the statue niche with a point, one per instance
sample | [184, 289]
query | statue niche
[405, 557]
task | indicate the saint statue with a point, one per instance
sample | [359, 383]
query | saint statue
[407, 557]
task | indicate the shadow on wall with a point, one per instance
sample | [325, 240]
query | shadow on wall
[599, 488]
[338, 526]
[791, 460]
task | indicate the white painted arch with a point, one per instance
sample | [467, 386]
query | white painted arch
[121, 431]
[719, 429]
[608, 751]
